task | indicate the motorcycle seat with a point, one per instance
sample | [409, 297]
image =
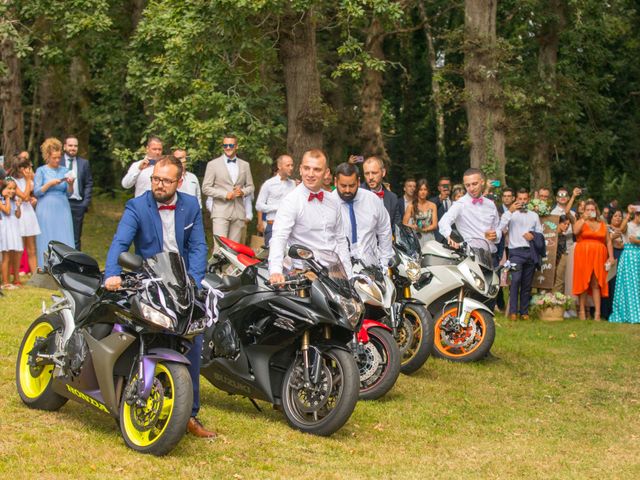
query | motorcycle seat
[82, 262]
[238, 247]
[79, 283]
[225, 283]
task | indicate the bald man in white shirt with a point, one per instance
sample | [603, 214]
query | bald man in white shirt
[366, 222]
[308, 216]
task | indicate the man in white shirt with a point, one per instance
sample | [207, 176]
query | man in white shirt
[190, 183]
[475, 217]
[308, 216]
[273, 191]
[139, 174]
[365, 221]
[80, 195]
[521, 224]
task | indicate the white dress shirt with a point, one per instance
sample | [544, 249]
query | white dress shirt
[232, 168]
[314, 224]
[191, 186]
[168, 218]
[471, 220]
[373, 227]
[75, 195]
[518, 223]
[141, 179]
[271, 195]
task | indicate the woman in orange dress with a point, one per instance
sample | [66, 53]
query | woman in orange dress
[593, 251]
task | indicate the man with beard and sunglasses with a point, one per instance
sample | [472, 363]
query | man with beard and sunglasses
[365, 221]
[165, 220]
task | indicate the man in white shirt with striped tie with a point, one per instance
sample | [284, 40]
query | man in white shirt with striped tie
[365, 221]
[308, 216]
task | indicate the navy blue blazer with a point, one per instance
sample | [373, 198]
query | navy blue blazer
[141, 225]
[84, 180]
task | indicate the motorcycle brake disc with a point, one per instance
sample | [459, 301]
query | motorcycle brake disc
[314, 397]
[369, 360]
[451, 338]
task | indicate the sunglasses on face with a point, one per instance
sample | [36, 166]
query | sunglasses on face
[228, 145]
[563, 195]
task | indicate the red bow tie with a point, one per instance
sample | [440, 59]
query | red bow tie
[477, 200]
[380, 193]
[319, 196]
[167, 207]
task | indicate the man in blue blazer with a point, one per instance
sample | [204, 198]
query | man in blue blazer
[80, 194]
[164, 219]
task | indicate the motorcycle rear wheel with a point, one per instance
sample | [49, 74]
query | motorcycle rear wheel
[35, 384]
[157, 427]
[479, 346]
[388, 369]
[415, 337]
[325, 410]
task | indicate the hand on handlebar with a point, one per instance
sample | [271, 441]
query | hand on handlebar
[276, 278]
[453, 244]
[113, 283]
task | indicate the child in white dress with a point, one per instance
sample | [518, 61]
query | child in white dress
[10, 236]
[29, 228]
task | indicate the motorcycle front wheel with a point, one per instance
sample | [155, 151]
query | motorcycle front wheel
[378, 364]
[35, 383]
[158, 426]
[414, 337]
[453, 342]
[323, 408]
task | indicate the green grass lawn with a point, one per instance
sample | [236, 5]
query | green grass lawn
[561, 401]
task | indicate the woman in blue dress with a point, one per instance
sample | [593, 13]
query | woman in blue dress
[626, 302]
[53, 211]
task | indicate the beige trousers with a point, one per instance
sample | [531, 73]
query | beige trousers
[231, 229]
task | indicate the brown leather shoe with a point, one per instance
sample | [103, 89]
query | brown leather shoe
[524, 317]
[194, 427]
[513, 317]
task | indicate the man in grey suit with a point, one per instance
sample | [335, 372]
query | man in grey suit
[228, 180]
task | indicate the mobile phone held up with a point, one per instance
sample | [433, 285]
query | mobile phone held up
[495, 183]
[358, 159]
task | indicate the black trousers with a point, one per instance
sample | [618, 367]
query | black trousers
[77, 214]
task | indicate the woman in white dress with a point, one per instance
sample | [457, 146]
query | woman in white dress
[29, 227]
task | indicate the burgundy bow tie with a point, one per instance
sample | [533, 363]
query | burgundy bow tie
[477, 200]
[167, 207]
[380, 193]
[319, 196]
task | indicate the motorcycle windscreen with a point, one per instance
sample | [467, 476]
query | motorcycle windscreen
[407, 241]
[168, 271]
[482, 250]
[335, 272]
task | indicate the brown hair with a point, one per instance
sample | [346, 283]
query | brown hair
[171, 160]
[592, 202]
[414, 202]
[49, 146]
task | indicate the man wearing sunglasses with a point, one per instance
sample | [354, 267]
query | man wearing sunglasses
[228, 181]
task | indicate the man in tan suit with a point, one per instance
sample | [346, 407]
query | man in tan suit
[228, 180]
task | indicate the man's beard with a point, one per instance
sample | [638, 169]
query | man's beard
[347, 197]
[162, 197]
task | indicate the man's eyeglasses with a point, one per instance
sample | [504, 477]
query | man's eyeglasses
[228, 145]
[166, 182]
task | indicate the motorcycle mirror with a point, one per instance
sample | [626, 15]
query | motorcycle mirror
[300, 253]
[130, 261]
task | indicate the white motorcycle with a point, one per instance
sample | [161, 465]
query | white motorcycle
[454, 283]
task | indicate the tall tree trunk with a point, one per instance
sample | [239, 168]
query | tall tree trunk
[11, 99]
[371, 96]
[483, 96]
[297, 51]
[436, 95]
[549, 43]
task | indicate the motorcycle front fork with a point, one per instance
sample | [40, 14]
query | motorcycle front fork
[312, 358]
[464, 312]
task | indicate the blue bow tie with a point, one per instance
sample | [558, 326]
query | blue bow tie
[229, 160]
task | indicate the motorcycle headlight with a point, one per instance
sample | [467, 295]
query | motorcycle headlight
[368, 291]
[156, 317]
[479, 282]
[413, 271]
[352, 309]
